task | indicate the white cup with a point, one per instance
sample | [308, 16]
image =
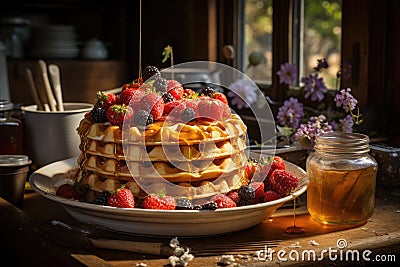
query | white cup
[52, 136]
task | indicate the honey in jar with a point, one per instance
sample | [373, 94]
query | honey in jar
[342, 179]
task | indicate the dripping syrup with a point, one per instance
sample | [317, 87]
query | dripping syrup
[294, 229]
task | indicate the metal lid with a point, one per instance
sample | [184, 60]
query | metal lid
[14, 160]
[5, 105]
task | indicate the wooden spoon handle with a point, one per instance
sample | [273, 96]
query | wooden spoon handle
[47, 86]
[54, 71]
[33, 89]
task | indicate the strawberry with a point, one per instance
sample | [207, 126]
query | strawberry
[211, 109]
[175, 89]
[221, 97]
[105, 100]
[270, 196]
[68, 191]
[126, 95]
[117, 114]
[159, 202]
[170, 106]
[283, 182]
[223, 201]
[123, 198]
[234, 196]
[250, 169]
[154, 104]
[259, 189]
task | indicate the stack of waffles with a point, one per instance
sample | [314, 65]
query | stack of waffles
[195, 159]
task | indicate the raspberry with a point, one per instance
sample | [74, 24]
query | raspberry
[143, 118]
[98, 115]
[102, 198]
[126, 96]
[170, 106]
[234, 196]
[188, 114]
[150, 71]
[270, 196]
[246, 195]
[223, 201]
[259, 189]
[283, 182]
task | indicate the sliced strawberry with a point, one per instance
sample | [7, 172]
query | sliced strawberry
[175, 89]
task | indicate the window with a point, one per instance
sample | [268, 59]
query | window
[316, 34]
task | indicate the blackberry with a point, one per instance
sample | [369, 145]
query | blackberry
[184, 204]
[143, 118]
[246, 195]
[167, 97]
[197, 207]
[207, 91]
[149, 71]
[102, 198]
[98, 115]
[188, 114]
[161, 84]
[211, 205]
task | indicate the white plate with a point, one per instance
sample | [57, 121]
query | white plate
[158, 222]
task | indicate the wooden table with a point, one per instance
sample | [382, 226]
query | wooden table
[22, 245]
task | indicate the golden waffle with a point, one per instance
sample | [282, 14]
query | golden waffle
[165, 132]
[172, 171]
[135, 152]
[193, 190]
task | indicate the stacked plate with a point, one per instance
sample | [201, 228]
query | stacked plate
[54, 41]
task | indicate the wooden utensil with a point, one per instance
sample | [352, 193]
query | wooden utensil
[47, 86]
[33, 89]
[54, 71]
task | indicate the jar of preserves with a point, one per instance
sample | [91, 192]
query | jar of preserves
[342, 179]
[11, 131]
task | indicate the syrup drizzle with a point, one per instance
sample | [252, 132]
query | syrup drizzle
[294, 229]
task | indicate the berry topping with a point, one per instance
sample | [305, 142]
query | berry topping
[221, 97]
[250, 169]
[102, 198]
[143, 118]
[211, 205]
[170, 106]
[234, 195]
[153, 103]
[188, 114]
[246, 195]
[207, 91]
[126, 96]
[123, 198]
[161, 85]
[223, 201]
[270, 196]
[68, 191]
[211, 109]
[105, 100]
[175, 89]
[98, 114]
[159, 202]
[117, 114]
[283, 182]
[259, 189]
[149, 72]
[184, 204]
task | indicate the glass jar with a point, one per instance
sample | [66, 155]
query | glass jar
[11, 131]
[342, 179]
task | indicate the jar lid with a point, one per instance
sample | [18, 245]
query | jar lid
[5, 105]
[14, 160]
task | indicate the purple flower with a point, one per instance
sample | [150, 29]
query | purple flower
[243, 93]
[322, 64]
[345, 100]
[307, 133]
[344, 71]
[290, 113]
[287, 73]
[314, 87]
[347, 124]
